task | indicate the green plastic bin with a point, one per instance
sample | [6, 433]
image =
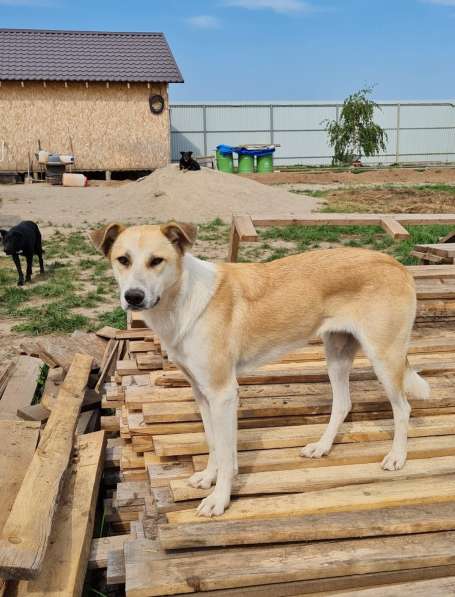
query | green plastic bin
[246, 163]
[265, 163]
[224, 162]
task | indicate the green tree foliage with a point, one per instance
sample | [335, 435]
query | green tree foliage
[355, 133]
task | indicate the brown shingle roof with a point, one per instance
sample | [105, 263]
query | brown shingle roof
[35, 54]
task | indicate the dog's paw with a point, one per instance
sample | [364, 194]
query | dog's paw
[213, 505]
[315, 450]
[21, 283]
[203, 479]
[394, 460]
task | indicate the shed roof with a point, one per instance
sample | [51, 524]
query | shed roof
[37, 54]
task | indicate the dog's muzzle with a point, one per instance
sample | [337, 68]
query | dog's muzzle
[135, 298]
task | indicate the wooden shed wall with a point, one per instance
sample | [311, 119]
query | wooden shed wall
[107, 128]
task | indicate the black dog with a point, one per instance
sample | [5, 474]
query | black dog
[187, 162]
[23, 239]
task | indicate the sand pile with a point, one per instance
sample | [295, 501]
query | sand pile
[165, 194]
[207, 194]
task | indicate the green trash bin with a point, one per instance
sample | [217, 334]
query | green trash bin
[224, 162]
[246, 163]
[265, 163]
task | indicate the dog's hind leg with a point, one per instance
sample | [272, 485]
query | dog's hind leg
[39, 253]
[204, 479]
[28, 275]
[391, 370]
[340, 349]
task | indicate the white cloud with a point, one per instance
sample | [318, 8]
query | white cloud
[204, 22]
[281, 6]
[441, 2]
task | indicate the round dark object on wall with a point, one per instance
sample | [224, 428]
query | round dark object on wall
[156, 103]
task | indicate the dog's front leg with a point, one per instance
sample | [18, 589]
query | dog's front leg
[223, 414]
[28, 275]
[17, 262]
[204, 479]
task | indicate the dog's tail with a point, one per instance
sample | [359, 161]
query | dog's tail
[415, 385]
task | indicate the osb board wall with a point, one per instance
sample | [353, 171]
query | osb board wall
[107, 128]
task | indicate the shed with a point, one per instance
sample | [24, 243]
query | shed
[89, 93]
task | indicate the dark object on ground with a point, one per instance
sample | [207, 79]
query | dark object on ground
[187, 162]
[23, 239]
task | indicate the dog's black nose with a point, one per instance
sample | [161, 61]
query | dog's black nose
[134, 297]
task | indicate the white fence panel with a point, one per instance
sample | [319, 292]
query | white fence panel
[416, 131]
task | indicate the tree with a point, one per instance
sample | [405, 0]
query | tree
[355, 133]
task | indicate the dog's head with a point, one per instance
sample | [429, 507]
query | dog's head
[146, 260]
[12, 241]
[186, 156]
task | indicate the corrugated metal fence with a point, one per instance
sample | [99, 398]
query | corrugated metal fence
[417, 131]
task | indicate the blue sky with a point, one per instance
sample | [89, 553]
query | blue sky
[278, 49]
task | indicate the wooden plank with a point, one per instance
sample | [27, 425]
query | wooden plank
[148, 576]
[299, 435]
[65, 564]
[314, 527]
[340, 454]
[18, 444]
[25, 536]
[131, 493]
[34, 412]
[438, 587]
[394, 229]
[442, 249]
[102, 546]
[245, 228]
[21, 386]
[115, 573]
[368, 496]
[6, 369]
[136, 334]
[315, 479]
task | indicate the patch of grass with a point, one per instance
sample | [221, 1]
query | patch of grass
[115, 318]
[44, 370]
[49, 319]
[310, 192]
[216, 230]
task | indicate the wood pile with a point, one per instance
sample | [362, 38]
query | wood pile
[48, 491]
[295, 526]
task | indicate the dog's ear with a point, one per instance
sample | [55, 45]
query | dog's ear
[104, 238]
[190, 153]
[181, 235]
[182, 153]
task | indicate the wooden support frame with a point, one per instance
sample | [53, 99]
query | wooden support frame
[243, 227]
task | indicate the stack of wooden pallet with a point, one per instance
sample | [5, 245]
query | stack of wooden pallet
[435, 286]
[277, 536]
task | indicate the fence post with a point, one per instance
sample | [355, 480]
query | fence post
[204, 125]
[397, 152]
[272, 135]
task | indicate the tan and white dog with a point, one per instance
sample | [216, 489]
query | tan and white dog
[218, 320]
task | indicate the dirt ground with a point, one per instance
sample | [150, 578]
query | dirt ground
[359, 176]
[392, 200]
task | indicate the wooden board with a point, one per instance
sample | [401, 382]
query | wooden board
[299, 435]
[101, 547]
[313, 527]
[25, 535]
[21, 386]
[315, 479]
[368, 496]
[65, 564]
[438, 587]
[340, 454]
[147, 576]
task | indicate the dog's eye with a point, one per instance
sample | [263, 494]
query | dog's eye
[155, 261]
[123, 260]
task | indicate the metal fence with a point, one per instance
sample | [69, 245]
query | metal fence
[416, 131]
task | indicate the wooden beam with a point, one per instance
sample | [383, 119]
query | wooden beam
[315, 479]
[147, 575]
[314, 527]
[368, 496]
[65, 563]
[299, 435]
[394, 229]
[234, 242]
[25, 536]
